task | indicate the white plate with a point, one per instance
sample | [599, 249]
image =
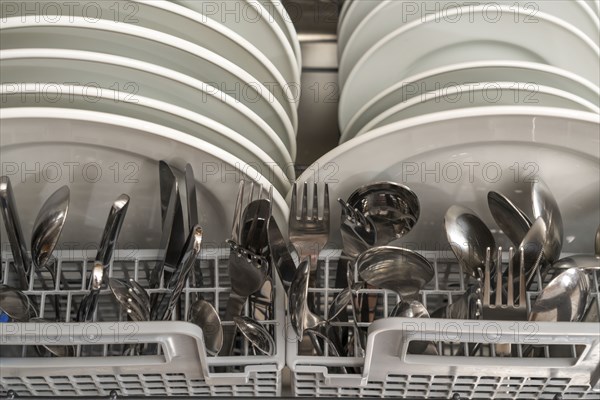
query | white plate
[148, 45]
[479, 71]
[283, 19]
[392, 14]
[101, 156]
[146, 109]
[352, 13]
[73, 67]
[480, 94]
[252, 21]
[455, 157]
[419, 46]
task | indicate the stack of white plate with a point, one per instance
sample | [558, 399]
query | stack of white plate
[95, 93]
[458, 98]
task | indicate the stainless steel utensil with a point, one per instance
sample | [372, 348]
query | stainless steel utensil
[582, 261]
[281, 256]
[358, 231]
[546, 207]
[597, 243]
[469, 238]
[15, 304]
[309, 234]
[110, 235]
[123, 293]
[393, 268]
[412, 309]
[8, 207]
[500, 309]
[203, 314]
[47, 228]
[192, 214]
[258, 336]
[172, 237]
[564, 299]
[301, 317]
[190, 253]
[54, 350]
[511, 219]
[393, 208]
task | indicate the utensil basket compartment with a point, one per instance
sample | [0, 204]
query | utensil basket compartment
[566, 361]
[180, 365]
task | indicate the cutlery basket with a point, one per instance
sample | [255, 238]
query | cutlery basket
[180, 365]
[566, 364]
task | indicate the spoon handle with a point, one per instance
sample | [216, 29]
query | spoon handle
[14, 232]
[235, 306]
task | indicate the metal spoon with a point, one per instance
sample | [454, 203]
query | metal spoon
[15, 304]
[582, 261]
[258, 336]
[469, 238]
[46, 233]
[110, 235]
[203, 314]
[393, 208]
[564, 299]
[343, 300]
[393, 268]
[55, 350]
[545, 206]
[511, 219]
[412, 309]
[8, 207]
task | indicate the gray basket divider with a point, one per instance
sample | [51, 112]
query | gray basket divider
[389, 338]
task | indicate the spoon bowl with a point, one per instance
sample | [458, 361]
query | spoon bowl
[15, 304]
[469, 239]
[564, 299]
[412, 309]
[393, 268]
[394, 209]
[545, 206]
[203, 314]
[258, 336]
[511, 219]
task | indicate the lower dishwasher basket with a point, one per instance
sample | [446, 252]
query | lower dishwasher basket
[566, 365]
[180, 365]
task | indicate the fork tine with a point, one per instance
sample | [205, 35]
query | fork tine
[260, 192]
[270, 200]
[251, 194]
[326, 211]
[345, 208]
[510, 284]
[522, 283]
[304, 202]
[294, 203]
[499, 277]
[315, 203]
[486, 282]
[237, 214]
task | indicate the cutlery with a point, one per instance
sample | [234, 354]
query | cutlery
[546, 207]
[110, 235]
[54, 350]
[281, 256]
[192, 213]
[15, 304]
[247, 270]
[469, 238]
[513, 221]
[8, 207]
[124, 294]
[358, 232]
[172, 237]
[529, 256]
[301, 317]
[309, 234]
[412, 309]
[597, 243]
[393, 268]
[394, 209]
[203, 314]
[186, 262]
[258, 336]
[47, 228]
[564, 299]
[501, 309]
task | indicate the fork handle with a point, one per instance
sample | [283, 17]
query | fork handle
[235, 306]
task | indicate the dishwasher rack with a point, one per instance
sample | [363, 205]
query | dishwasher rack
[566, 363]
[180, 365]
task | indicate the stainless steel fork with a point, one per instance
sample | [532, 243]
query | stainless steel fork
[309, 234]
[500, 309]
